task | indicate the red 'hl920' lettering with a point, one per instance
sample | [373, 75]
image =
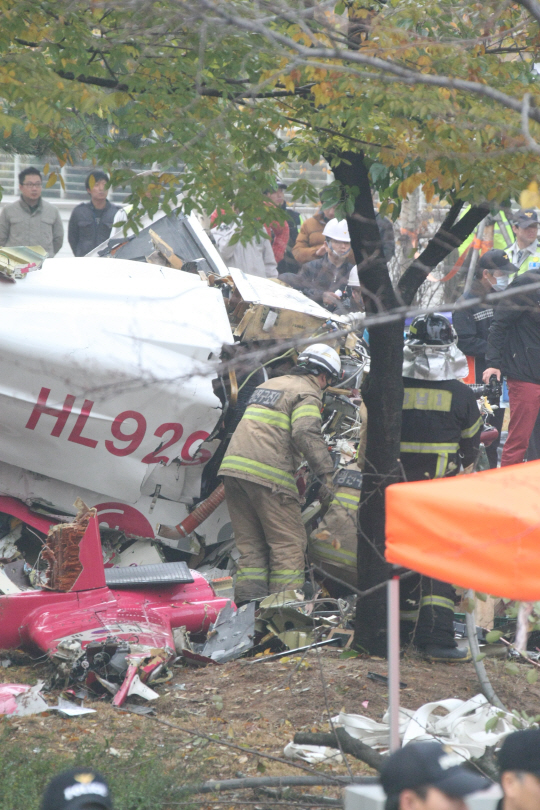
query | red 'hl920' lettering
[128, 431]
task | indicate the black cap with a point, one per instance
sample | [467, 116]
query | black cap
[497, 260]
[73, 789]
[521, 752]
[526, 217]
[429, 763]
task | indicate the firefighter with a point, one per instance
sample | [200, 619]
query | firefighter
[440, 432]
[332, 545]
[280, 428]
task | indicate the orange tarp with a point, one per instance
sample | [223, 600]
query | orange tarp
[479, 531]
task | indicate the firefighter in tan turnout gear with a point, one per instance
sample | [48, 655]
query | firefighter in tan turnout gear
[280, 428]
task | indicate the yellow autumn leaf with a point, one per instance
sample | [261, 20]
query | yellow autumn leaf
[52, 180]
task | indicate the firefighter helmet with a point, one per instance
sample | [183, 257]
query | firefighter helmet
[431, 330]
[321, 357]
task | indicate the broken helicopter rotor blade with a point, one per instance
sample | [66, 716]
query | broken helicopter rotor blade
[166, 250]
[195, 518]
[326, 643]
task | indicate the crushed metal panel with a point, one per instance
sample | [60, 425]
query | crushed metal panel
[231, 635]
[137, 575]
[276, 311]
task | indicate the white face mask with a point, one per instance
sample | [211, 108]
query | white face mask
[501, 283]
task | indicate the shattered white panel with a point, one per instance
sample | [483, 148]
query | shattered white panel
[102, 362]
[264, 291]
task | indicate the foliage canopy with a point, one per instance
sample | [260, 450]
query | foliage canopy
[227, 90]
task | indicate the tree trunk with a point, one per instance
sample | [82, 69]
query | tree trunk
[383, 389]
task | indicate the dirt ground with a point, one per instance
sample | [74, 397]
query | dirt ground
[257, 706]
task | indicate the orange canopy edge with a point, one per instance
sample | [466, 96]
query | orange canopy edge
[479, 531]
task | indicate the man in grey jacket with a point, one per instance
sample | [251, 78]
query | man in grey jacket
[31, 221]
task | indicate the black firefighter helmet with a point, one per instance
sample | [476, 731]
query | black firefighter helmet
[431, 330]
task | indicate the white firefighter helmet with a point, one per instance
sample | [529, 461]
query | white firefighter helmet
[321, 357]
[354, 281]
[337, 229]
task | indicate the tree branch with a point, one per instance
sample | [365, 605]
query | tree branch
[449, 236]
[525, 107]
[115, 84]
[533, 7]
[405, 75]
[339, 738]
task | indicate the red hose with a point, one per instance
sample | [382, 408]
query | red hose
[201, 512]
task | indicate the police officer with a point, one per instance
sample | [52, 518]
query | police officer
[280, 427]
[525, 249]
[440, 433]
[492, 274]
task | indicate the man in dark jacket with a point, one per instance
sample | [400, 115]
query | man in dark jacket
[492, 274]
[324, 280]
[514, 350]
[90, 223]
[440, 432]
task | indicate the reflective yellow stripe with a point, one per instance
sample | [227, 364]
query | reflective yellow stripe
[440, 449]
[287, 576]
[429, 447]
[347, 501]
[305, 411]
[333, 555]
[468, 433]
[275, 418]
[408, 615]
[437, 601]
[239, 464]
[252, 574]
[427, 399]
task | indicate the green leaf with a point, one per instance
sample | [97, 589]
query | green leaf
[493, 636]
[491, 723]
[532, 676]
[348, 654]
[481, 657]
[511, 668]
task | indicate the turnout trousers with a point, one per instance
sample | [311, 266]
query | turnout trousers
[427, 611]
[270, 536]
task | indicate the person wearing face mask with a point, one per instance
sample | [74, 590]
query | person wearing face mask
[440, 432]
[324, 280]
[492, 274]
[513, 350]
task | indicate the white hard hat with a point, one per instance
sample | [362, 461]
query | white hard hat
[323, 357]
[337, 229]
[354, 281]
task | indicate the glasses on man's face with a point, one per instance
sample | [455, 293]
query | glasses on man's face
[32, 185]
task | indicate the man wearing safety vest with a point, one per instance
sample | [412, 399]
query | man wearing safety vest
[525, 250]
[280, 428]
[440, 433]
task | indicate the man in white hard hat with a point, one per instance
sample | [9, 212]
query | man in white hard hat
[280, 428]
[324, 280]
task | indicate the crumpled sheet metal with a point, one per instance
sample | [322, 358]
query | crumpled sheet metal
[463, 728]
[313, 754]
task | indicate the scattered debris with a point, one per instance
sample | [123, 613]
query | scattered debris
[463, 727]
[314, 754]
